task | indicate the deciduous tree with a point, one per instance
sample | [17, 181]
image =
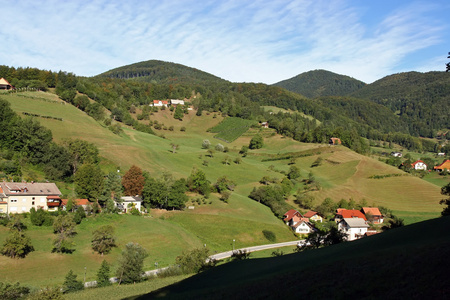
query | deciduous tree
[133, 181]
[131, 264]
[103, 239]
[89, 182]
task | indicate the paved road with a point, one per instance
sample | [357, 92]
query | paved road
[227, 254]
[217, 256]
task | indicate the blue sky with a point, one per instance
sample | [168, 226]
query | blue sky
[238, 40]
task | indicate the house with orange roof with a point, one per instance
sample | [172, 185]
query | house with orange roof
[160, 103]
[314, 216]
[445, 166]
[419, 165]
[335, 141]
[85, 203]
[4, 84]
[373, 214]
[342, 213]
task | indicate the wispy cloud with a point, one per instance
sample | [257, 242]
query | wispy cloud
[258, 41]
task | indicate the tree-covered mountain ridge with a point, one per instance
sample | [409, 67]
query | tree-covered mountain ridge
[158, 71]
[319, 83]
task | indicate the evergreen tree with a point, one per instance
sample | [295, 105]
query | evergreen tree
[71, 284]
[445, 190]
[103, 274]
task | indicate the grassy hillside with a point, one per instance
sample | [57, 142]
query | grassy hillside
[319, 83]
[391, 263]
[342, 174]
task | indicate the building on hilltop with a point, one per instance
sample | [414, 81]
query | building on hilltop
[20, 197]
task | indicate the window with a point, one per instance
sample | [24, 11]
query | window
[32, 202]
[13, 200]
[42, 199]
[24, 208]
[13, 208]
[33, 198]
[24, 200]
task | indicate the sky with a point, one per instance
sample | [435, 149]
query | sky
[237, 40]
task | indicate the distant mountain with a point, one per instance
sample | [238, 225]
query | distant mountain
[422, 100]
[318, 83]
[162, 72]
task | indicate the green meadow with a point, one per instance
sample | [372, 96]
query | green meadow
[343, 174]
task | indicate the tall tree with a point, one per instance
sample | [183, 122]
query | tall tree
[17, 244]
[71, 284]
[81, 152]
[112, 188]
[445, 190]
[133, 181]
[89, 182]
[64, 227]
[131, 264]
[103, 274]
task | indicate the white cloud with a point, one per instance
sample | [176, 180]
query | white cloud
[260, 41]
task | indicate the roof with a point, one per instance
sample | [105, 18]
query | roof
[289, 214]
[351, 213]
[76, 202]
[444, 165]
[162, 101]
[29, 188]
[3, 81]
[356, 222]
[131, 199]
[176, 101]
[301, 222]
[374, 211]
[310, 214]
[418, 161]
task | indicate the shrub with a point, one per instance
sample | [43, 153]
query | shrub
[240, 255]
[269, 235]
[194, 261]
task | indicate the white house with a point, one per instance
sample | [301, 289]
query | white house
[302, 227]
[396, 154]
[419, 165]
[176, 102]
[128, 202]
[160, 103]
[19, 197]
[354, 228]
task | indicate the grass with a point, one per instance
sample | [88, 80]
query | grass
[343, 174]
[124, 291]
[390, 261]
[231, 128]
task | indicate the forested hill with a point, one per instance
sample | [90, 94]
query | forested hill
[162, 72]
[318, 83]
[422, 100]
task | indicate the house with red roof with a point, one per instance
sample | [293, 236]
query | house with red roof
[287, 217]
[160, 103]
[445, 166]
[314, 216]
[373, 214]
[352, 222]
[303, 226]
[419, 165]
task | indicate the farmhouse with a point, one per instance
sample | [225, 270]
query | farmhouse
[354, 228]
[335, 141]
[373, 214]
[265, 124]
[291, 214]
[160, 103]
[445, 166]
[19, 197]
[4, 84]
[312, 215]
[176, 102]
[302, 227]
[342, 213]
[419, 165]
[396, 154]
[129, 202]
